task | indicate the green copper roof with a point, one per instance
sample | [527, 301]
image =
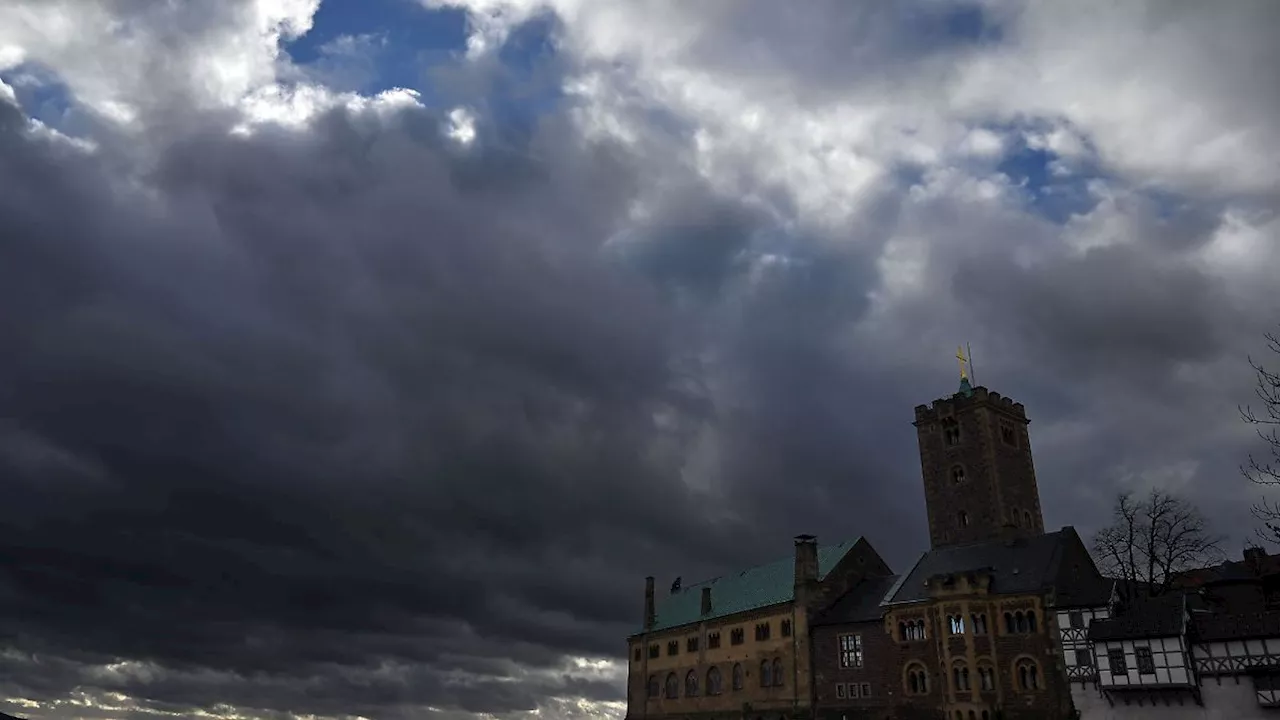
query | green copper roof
[965, 388]
[754, 588]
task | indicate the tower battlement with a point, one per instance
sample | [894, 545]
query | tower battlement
[959, 402]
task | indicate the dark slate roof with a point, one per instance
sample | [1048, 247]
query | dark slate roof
[1148, 617]
[860, 604]
[751, 589]
[1236, 626]
[1020, 566]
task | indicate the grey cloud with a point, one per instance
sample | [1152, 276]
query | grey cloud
[340, 413]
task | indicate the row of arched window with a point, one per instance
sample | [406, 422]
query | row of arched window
[1019, 622]
[1026, 675]
[771, 675]
[911, 630]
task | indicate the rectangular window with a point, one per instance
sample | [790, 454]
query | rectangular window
[866, 689]
[1115, 658]
[762, 631]
[653, 651]
[736, 636]
[850, 651]
[786, 628]
[691, 645]
[673, 647]
[713, 640]
[853, 690]
[840, 690]
[1084, 658]
[1146, 664]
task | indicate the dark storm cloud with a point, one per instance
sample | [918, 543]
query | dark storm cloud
[345, 419]
[323, 389]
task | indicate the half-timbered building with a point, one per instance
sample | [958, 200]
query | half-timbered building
[1210, 648]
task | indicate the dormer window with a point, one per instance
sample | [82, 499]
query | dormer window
[951, 432]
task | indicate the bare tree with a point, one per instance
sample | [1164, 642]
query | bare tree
[1152, 539]
[1267, 470]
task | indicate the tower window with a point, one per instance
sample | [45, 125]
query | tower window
[1026, 518]
[957, 475]
[964, 519]
[1008, 435]
[951, 431]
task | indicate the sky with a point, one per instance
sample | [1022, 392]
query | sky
[361, 357]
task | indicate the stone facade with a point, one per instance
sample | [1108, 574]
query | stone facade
[773, 666]
[979, 477]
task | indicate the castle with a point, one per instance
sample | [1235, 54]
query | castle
[998, 620]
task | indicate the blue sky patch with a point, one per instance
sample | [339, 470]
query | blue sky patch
[40, 93]
[1050, 192]
[414, 39]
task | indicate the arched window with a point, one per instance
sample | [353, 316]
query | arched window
[915, 629]
[766, 673]
[960, 676]
[653, 686]
[1028, 674]
[917, 680]
[1031, 621]
[973, 715]
[713, 681]
[986, 678]
[673, 686]
[955, 623]
[951, 431]
[1017, 518]
[778, 677]
[1008, 623]
[1020, 622]
[1026, 518]
[737, 676]
[979, 623]
[986, 715]
[957, 474]
[964, 519]
[691, 684]
[902, 632]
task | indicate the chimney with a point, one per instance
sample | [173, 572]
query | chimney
[806, 559]
[706, 600]
[649, 613]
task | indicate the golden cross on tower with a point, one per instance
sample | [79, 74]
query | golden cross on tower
[960, 356]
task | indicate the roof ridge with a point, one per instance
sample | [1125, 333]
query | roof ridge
[749, 568]
[897, 584]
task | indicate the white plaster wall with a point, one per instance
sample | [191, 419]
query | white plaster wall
[1228, 701]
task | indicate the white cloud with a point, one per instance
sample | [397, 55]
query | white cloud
[462, 126]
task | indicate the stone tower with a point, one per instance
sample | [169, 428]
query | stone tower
[979, 480]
